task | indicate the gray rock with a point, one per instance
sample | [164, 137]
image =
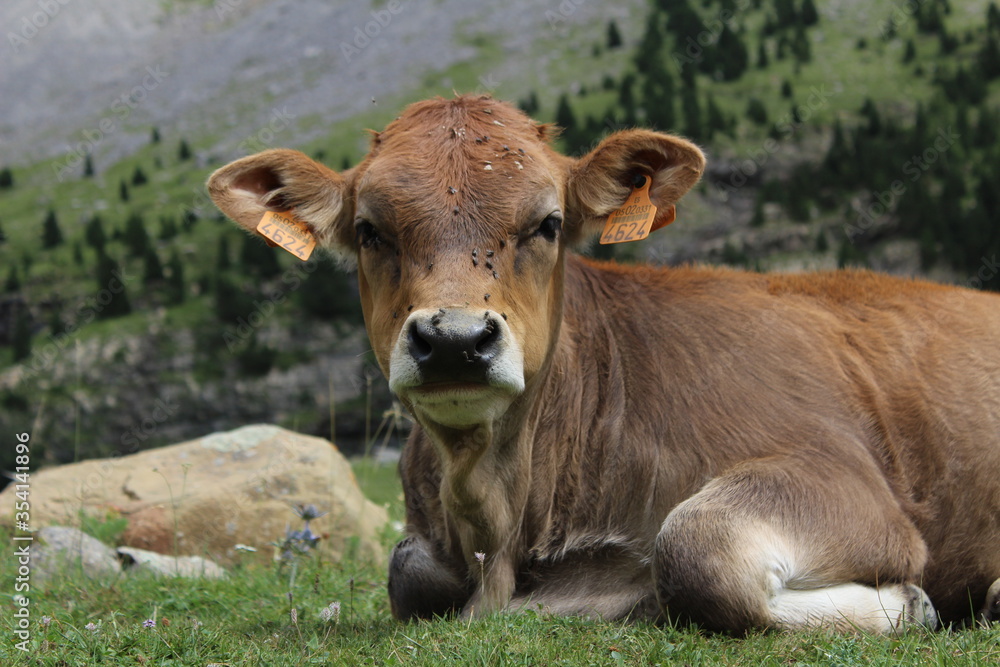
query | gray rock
[59, 550]
[140, 561]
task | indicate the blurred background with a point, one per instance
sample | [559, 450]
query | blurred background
[132, 315]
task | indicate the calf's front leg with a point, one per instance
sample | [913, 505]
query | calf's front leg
[422, 584]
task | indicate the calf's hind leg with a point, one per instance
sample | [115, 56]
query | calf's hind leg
[776, 544]
[422, 584]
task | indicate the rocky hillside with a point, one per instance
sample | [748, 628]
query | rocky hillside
[112, 113]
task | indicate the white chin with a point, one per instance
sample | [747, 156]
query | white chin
[460, 409]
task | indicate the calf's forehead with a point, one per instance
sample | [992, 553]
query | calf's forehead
[472, 159]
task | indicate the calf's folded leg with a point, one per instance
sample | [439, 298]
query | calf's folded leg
[785, 543]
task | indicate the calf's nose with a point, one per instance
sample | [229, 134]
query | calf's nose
[454, 345]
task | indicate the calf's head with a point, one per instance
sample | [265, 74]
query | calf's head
[457, 221]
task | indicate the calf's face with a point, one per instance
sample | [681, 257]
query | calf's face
[457, 221]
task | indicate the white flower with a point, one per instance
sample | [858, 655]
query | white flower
[481, 557]
[331, 612]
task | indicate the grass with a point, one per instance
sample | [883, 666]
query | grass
[246, 620]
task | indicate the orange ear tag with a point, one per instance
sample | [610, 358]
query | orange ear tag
[287, 231]
[634, 220]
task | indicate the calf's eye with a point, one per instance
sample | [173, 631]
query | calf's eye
[550, 226]
[367, 234]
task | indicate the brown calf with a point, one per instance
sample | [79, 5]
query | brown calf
[738, 449]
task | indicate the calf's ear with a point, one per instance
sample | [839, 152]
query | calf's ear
[600, 182]
[286, 180]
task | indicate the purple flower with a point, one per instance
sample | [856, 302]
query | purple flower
[149, 623]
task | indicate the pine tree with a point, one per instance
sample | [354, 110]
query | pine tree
[3, 236]
[648, 51]
[109, 282]
[626, 102]
[762, 60]
[756, 112]
[989, 59]
[154, 136]
[93, 233]
[529, 105]
[56, 324]
[808, 14]
[88, 166]
[327, 293]
[152, 268]
[222, 261]
[785, 10]
[910, 54]
[658, 93]
[122, 190]
[801, 46]
[183, 151]
[758, 219]
[168, 228]
[733, 56]
[822, 243]
[6, 178]
[614, 37]
[51, 234]
[138, 177]
[715, 121]
[993, 17]
[13, 283]
[870, 112]
[77, 254]
[135, 236]
[175, 279]
[564, 114]
[21, 339]
[258, 259]
[786, 89]
[692, 115]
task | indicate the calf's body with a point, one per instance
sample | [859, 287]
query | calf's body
[737, 449]
[716, 439]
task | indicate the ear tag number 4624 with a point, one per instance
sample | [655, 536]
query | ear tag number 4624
[634, 220]
[287, 231]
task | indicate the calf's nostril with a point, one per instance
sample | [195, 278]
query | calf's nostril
[489, 339]
[420, 348]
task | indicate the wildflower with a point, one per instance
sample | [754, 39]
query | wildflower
[308, 512]
[45, 620]
[91, 626]
[331, 613]
[481, 557]
[149, 623]
[244, 547]
[294, 613]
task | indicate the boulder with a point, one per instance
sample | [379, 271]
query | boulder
[140, 561]
[61, 550]
[206, 496]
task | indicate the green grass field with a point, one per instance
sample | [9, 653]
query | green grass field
[247, 620]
